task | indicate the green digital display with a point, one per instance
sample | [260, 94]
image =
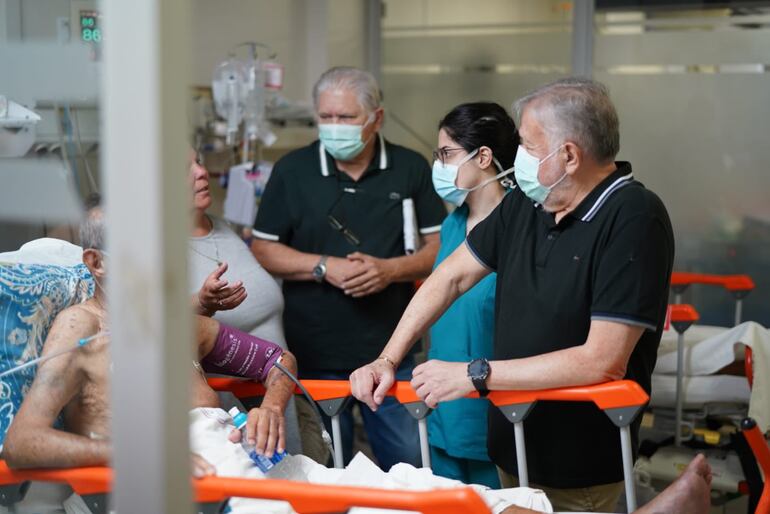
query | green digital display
[90, 27]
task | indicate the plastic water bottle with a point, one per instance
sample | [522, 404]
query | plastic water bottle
[280, 466]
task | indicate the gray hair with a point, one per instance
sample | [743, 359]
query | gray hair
[360, 82]
[92, 226]
[578, 110]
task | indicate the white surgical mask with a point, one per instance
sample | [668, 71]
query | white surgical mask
[527, 167]
[342, 141]
[445, 179]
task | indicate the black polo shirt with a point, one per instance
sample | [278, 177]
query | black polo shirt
[325, 329]
[610, 259]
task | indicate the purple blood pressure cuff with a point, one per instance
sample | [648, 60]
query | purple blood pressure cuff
[240, 354]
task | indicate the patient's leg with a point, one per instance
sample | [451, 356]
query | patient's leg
[689, 494]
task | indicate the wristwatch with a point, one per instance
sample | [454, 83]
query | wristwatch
[478, 372]
[319, 272]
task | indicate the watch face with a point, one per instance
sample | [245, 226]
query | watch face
[478, 368]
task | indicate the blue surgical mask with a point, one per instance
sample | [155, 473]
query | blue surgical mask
[526, 168]
[343, 142]
[445, 179]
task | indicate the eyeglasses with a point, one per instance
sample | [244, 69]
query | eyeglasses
[442, 154]
[337, 225]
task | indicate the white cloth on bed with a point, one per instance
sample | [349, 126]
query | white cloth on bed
[698, 390]
[707, 356]
[209, 429]
[45, 250]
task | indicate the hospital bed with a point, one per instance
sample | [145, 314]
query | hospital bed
[684, 387]
[692, 401]
[716, 388]
[621, 401]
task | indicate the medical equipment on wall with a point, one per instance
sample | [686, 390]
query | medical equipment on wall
[17, 128]
[240, 88]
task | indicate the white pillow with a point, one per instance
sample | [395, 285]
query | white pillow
[45, 250]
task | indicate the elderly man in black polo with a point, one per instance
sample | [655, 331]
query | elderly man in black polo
[338, 221]
[583, 254]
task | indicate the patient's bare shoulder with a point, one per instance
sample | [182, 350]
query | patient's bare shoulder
[71, 325]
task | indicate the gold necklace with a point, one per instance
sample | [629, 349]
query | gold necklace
[218, 260]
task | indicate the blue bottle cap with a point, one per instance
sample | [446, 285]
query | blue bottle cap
[239, 418]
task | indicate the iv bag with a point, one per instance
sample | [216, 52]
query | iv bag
[230, 90]
[254, 110]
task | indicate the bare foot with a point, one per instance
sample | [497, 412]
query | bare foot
[689, 494]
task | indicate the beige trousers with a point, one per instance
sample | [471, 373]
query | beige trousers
[598, 498]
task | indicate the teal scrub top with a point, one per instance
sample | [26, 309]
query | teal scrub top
[463, 333]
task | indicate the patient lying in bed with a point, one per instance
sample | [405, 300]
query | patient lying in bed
[76, 386]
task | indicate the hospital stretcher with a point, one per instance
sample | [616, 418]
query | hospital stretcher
[708, 399]
[683, 317]
[737, 285]
[621, 401]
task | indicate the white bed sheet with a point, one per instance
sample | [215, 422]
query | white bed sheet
[709, 349]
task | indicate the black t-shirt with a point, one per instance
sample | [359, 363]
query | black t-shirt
[610, 259]
[325, 329]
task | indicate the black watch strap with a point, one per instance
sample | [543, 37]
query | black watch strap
[481, 386]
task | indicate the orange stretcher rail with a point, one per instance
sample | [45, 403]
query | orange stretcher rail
[304, 498]
[611, 395]
[761, 452]
[621, 393]
[316, 499]
[683, 313]
[84, 481]
[729, 282]
[318, 389]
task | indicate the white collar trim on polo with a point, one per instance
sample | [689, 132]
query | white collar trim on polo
[617, 184]
[325, 163]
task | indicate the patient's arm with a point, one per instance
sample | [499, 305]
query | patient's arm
[280, 389]
[265, 428]
[32, 442]
[266, 425]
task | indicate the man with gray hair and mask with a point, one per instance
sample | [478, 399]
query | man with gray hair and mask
[583, 254]
[338, 222]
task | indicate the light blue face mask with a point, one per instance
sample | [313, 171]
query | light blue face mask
[445, 179]
[343, 142]
[527, 167]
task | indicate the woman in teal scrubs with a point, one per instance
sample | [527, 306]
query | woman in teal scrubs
[477, 144]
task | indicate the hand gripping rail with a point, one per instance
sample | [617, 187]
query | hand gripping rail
[332, 396]
[621, 401]
[739, 285]
[93, 485]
